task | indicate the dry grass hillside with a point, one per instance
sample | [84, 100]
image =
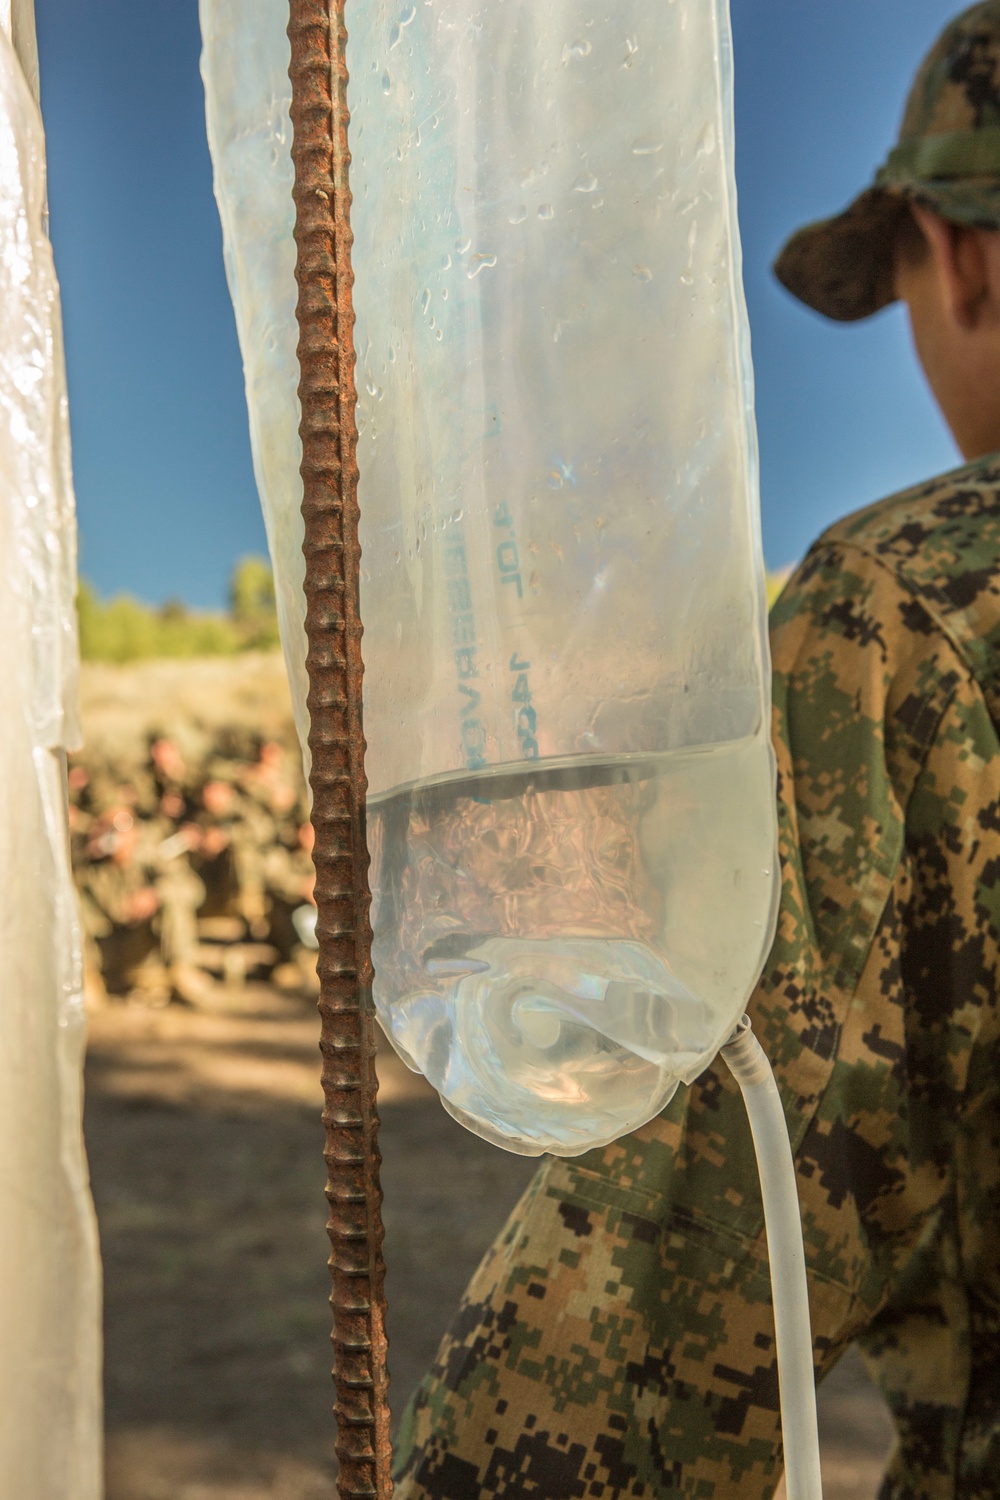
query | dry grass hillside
[189, 700]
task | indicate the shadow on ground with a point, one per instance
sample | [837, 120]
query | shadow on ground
[205, 1149]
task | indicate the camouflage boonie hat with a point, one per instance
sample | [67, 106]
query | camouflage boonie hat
[948, 158]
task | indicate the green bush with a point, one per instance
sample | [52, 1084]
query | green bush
[775, 583]
[123, 629]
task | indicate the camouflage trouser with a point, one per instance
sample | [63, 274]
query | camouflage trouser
[181, 894]
[611, 1344]
[618, 1339]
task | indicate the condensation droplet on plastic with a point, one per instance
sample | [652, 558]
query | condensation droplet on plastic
[631, 48]
[555, 480]
[483, 260]
[387, 82]
[425, 299]
[585, 183]
[396, 34]
[370, 385]
[463, 246]
[438, 334]
[646, 145]
[642, 273]
[517, 215]
[446, 262]
[574, 50]
[444, 294]
[546, 211]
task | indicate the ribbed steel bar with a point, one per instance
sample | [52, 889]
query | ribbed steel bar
[333, 625]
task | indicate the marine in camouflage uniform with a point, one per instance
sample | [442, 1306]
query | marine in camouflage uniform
[118, 899]
[618, 1339]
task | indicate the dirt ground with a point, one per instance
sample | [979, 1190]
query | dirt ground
[205, 1148]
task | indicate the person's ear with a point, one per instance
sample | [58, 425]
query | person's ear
[960, 263]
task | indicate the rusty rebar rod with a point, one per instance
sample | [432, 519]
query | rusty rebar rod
[333, 626]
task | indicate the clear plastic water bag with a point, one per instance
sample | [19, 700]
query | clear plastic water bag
[571, 800]
[566, 694]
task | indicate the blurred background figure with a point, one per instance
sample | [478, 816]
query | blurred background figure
[193, 864]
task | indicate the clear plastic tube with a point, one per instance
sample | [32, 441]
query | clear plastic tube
[748, 1064]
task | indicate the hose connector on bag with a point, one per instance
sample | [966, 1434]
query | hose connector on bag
[747, 1061]
[745, 1057]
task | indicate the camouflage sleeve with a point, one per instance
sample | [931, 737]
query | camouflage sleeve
[933, 1223]
[618, 1338]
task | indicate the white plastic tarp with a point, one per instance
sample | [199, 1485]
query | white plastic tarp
[50, 1404]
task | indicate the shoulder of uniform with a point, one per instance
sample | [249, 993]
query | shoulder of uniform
[940, 541]
[934, 534]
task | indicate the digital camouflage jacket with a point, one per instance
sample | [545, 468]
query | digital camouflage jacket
[618, 1338]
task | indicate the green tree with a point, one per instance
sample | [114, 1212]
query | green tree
[123, 629]
[251, 590]
[252, 603]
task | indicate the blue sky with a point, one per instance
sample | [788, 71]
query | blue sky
[163, 475]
